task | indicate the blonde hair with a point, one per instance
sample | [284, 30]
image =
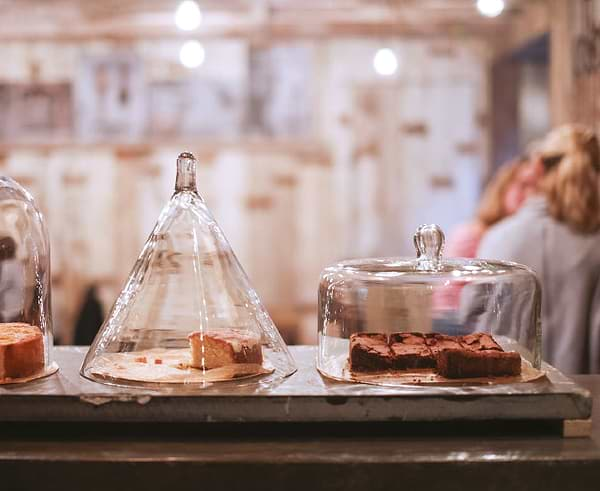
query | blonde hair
[491, 208]
[571, 158]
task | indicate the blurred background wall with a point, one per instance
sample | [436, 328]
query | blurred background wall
[324, 130]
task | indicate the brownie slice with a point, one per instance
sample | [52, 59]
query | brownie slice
[410, 350]
[407, 356]
[407, 338]
[441, 342]
[479, 341]
[369, 352]
[464, 363]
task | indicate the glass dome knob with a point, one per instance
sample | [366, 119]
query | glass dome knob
[429, 243]
[186, 172]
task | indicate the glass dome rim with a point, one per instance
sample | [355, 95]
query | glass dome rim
[447, 268]
[7, 182]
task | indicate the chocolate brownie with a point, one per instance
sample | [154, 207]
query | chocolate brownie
[473, 355]
[407, 338]
[440, 342]
[479, 341]
[409, 350]
[369, 352]
[465, 363]
[407, 356]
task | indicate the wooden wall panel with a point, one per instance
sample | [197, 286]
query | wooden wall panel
[288, 207]
[505, 115]
[562, 92]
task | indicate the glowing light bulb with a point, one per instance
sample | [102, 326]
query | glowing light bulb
[188, 15]
[385, 62]
[490, 8]
[191, 54]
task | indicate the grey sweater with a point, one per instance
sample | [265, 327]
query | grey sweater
[568, 266]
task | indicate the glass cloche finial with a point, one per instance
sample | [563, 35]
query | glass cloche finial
[186, 172]
[429, 244]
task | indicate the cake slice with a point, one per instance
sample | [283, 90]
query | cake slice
[221, 347]
[463, 363]
[369, 352]
[409, 350]
[21, 350]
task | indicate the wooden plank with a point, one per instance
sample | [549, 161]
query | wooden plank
[505, 116]
[69, 21]
[577, 428]
[561, 62]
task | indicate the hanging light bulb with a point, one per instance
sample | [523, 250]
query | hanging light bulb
[191, 54]
[490, 8]
[188, 15]
[385, 62]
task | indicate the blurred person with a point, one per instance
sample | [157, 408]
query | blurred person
[12, 282]
[557, 233]
[90, 318]
[504, 194]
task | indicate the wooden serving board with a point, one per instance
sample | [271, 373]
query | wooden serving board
[303, 397]
[428, 376]
[174, 368]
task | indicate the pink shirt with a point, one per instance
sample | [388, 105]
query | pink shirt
[464, 240]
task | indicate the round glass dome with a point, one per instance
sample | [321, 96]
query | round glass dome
[429, 320]
[25, 310]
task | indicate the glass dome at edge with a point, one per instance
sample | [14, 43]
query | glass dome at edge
[25, 290]
[428, 295]
[187, 316]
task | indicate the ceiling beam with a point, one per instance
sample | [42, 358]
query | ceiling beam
[128, 20]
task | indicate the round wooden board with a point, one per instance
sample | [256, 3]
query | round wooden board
[428, 377]
[49, 370]
[338, 369]
[174, 368]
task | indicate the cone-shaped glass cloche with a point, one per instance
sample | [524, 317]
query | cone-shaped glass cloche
[187, 315]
